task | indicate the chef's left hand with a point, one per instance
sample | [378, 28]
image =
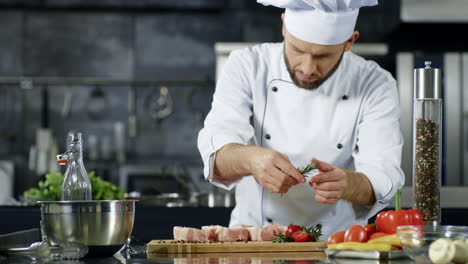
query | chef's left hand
[329, 184]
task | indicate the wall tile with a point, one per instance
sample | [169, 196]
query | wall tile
[10, 43]
[377, 23]
[180, 46]
[264, 28]
[78, 44]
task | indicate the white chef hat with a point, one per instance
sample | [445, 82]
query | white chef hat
[325, 22]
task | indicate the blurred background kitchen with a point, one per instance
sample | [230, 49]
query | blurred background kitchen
[137, 79]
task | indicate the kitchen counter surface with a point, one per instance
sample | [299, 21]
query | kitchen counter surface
[257, 258]
[157, 222]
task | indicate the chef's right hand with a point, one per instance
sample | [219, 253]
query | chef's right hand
[273, 170]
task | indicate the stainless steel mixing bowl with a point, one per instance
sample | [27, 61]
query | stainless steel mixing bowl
[103, 226]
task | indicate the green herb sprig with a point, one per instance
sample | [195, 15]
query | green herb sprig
[309, 167]
[280, 238]
[315, 231]
[306, 169]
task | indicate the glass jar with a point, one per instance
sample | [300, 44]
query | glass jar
[76, 184]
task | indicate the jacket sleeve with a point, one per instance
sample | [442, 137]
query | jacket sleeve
[229, 118]
[380, 142]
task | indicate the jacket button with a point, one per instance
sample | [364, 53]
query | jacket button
[269, 220]
[339, 145]
[274, 89]
[267, 136]
[345, 97]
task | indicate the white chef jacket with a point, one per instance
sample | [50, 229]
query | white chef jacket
[351, 121]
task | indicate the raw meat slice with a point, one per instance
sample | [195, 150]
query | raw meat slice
[233, 235]
[189, 234]
[269, 232]
[212, 232]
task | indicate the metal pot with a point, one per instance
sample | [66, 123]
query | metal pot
[103, 226]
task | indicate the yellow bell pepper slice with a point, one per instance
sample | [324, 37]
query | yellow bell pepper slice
[382, 247]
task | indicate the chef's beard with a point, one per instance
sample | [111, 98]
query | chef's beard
[310, 85]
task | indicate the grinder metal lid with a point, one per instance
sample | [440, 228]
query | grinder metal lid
[427, 82]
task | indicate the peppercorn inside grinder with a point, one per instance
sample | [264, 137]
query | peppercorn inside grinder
[427, 142]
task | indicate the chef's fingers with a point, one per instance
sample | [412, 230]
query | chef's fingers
[281, 178]
[323, 166]
[335, 195]
[285, 166]
[327, 177]
[276, 178]
[321, 199]
[275, 188]
[330, 186]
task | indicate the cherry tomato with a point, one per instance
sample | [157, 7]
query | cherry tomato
[337, 237]
[377, 235]
[370, 229]
[356, 233]
[301, 236]
[291, 229]
[303, 262]
[381, 221]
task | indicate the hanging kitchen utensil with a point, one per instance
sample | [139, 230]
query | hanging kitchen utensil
[160, 104]
[97, 104]
[132, 116]
[66, 107]
[194, 98]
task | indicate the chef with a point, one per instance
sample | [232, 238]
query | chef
[277, 106]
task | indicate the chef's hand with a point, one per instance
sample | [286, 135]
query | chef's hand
[333, 184]
[273, 170]
[329, 184]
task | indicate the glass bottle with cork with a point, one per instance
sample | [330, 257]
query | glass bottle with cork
[427, 142]
[76, 184]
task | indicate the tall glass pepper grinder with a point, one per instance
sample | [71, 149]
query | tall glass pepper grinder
[427, 142]
[76, 184]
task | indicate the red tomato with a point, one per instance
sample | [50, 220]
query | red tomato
[397, 247]
[388, 221]
[356, 233]
[337, 237]
[303, 262]
[416, 215]
[370, 229]
[301, 236]
[377, 235]
[291, 229]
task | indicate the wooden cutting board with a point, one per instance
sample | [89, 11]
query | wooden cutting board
[172, 247]
[297, 255]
